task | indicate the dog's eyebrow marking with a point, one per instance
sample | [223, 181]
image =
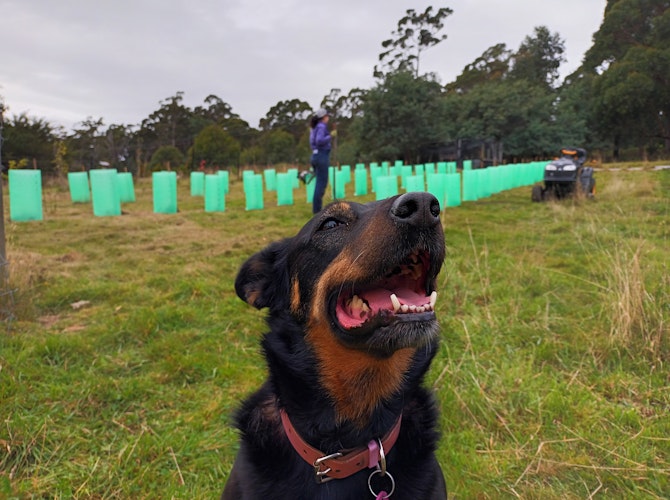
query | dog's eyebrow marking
[343, 206]
[340, 208]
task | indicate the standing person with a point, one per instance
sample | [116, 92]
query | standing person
[320, 142]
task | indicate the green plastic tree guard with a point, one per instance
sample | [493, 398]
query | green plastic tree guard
[529, 171]
[415, 183]
[340, 184]
[516, 175]
[270, 176]
[405, 172]
[331, 180]
[253, 189]
[165, 192]
[437, 186]
[386, 170]
[375, 172]
[541, 166]
[247, 183]
[126, 187]
[197, 183]
[360, 182]
[215, 197]
[483, 184]
[80, 191]
[470, 185]
[503, 177]
[284, 187]
[453, 189]
[293, 173]
[105, 192]
[387, 186]
[225, 180]
[346, 169]
[25, 195]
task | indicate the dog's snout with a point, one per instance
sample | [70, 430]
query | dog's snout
[417, 209]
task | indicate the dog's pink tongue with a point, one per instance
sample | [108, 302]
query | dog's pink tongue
[354, 315]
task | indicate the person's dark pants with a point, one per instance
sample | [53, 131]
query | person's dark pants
[320, 162]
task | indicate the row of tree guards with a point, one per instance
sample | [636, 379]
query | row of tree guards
[107, 189]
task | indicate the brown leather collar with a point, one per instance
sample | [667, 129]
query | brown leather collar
[344, 463]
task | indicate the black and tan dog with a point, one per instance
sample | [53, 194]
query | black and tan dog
[351, 303]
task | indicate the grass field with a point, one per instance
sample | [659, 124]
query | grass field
[129, 349]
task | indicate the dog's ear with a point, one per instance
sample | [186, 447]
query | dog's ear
[262, 276]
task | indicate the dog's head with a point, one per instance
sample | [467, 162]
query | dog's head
[359, 280]
[366, 272]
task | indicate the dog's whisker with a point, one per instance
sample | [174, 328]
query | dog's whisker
[360, 254]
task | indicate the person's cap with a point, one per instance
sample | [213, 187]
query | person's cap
[321, 113]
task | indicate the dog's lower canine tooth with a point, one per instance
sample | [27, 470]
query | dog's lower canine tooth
[433, 299]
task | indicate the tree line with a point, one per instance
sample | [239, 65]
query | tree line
[509, 103]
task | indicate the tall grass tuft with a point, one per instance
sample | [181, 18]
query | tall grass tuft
[24, 272]
[635, 315]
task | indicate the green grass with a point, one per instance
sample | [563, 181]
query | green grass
[552, 375]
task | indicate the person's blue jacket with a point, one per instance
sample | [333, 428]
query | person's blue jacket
[319, 138]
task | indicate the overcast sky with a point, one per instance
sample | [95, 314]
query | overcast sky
[66, 60]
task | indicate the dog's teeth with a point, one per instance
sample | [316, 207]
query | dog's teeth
[361, 304]
[395, 302]
[357, 303]
[411, 308]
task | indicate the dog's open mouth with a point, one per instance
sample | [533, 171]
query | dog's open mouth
[403, 294]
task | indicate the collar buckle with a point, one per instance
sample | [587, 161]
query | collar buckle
[321, 476]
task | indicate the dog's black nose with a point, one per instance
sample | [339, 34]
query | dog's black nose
[416, 208]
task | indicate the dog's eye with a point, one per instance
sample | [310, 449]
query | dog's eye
[330, 223]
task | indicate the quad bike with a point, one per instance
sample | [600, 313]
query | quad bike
[565, 177]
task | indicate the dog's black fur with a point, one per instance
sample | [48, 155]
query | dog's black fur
[343, 382]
